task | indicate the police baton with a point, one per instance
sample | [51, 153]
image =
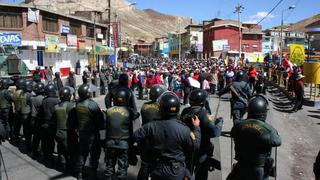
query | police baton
[276, 161]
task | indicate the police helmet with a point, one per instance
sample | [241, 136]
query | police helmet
[39, 88]
[6, 83]
[156, 91]
[57, 74]
[169, 105]
[28, 86]
[198, 97]
[65, 94]
[123, 79]
[258, 107]
[121, 97]
[20, 83]
[51, 90]
[239, 75]
[84, 91]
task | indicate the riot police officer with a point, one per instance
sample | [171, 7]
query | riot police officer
[48, 127]
[36, 117]
[254, 139]
[123, 83]
[119, 134]
[240, 92]
[72, 83]
[37, 75]
[87, 119]
[59, 118]
[17, 108]
[103, 81]
[210, 128]
[6, 111]
[260, 87]
[57, 81]
[25, 103]
[171, 140]
[149, 112]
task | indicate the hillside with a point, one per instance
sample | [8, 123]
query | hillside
[300, 25]
[135, 24]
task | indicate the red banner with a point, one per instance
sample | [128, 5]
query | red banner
[115, 29]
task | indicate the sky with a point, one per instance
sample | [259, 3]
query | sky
[254, 10]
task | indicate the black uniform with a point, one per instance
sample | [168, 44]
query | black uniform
[36, 121]
[253, 140]
[210, 128]
[48, 128]
[59, 118]
[6, 111]
[87, 119]
[103, 82]
[57, 81]
[170, 140]
[238, 100]
[119, 133]
[149, 112]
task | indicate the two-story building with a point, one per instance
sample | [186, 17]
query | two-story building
[47, 38]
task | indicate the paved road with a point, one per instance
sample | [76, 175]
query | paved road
[300, 133]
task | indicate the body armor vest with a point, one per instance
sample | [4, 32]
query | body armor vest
[16, 100]
[61, 111]
[4, 103]
[85, 122]
[25, 108]
[118, 123]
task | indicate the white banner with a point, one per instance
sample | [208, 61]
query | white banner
[71, 40]
[33, 15]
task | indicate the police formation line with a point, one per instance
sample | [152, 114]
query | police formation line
[171, 145]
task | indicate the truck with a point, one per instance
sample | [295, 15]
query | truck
[11, 65]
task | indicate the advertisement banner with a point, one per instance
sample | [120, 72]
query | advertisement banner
[72, 40]
[218, 45]
[81, 44]
[52, 43]
[13, 39]
[115, 32]
[33, 15]
[297, 54]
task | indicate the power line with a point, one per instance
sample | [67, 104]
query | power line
[270, 11]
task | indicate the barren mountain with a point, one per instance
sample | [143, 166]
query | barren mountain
[135, 24]
[300, 26]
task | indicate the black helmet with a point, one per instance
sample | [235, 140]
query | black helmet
[6, 83]
[28, 86]
[259, 88]
[169, 105]
[84, 91]
[121, 97]
[65, 94]
[39, 88]
[20, 83]
[240, 75]
[123, 79]
[198, 97]
[51, 90]
[258, 107]
[156, 91]
[57, 75]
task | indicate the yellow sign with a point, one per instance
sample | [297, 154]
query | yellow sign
[312, 72]
[52, 43]
[297, 54]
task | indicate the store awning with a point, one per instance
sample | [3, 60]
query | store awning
[104, 50]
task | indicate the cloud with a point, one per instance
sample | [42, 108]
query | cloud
[258, 16]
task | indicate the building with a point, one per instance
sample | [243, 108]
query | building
[192, 41]
[288, 37]
[143, 48]
[223, 36]
[161, 48]
[174, 41]
[47, 38]
[268, 44]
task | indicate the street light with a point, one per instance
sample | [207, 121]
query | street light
[281, 31]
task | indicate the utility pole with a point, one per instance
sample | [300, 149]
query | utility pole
[109, 23]
[239, 10]
[179, 21]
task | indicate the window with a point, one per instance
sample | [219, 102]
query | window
[75, 29]
[50, 24]
[10, 20]
[89, 31]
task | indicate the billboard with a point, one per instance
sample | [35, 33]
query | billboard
[297, 54]
[218, 45]
[52, 43]
[72, 40]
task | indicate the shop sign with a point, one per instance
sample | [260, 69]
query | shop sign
[13, 39]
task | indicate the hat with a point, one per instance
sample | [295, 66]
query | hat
[300, 76]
